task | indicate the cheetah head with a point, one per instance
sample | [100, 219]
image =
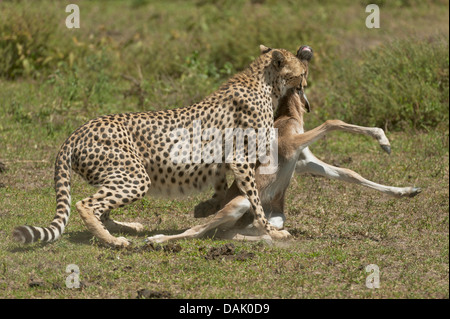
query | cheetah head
[290, 70]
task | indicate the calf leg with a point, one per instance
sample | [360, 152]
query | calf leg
[300, 141]
[308, 163]
[229, 214]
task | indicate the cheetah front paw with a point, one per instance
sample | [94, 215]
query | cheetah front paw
[120, 242]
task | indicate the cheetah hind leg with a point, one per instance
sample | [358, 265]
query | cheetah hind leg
[92, 208]
[95, 226]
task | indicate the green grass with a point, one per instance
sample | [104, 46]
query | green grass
[335, 237]
[53, 79]
[400, 85]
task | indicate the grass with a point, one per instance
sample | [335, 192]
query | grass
[173, 54]
[400, 85]
[335, 238]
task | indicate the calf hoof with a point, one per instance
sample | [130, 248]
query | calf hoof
[157, 239]
[386, 148]
[415, 191]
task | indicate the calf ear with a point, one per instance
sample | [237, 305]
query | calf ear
[305, 53]
[264, 49]
[278, 59]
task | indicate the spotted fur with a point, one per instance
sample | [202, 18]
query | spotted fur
[127, 155]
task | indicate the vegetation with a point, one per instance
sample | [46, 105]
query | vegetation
[152, 55]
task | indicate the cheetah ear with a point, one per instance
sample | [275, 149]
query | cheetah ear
[278, 59]
[264, 49]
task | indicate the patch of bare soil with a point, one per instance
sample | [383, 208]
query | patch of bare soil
[168, 248]
[2, 167]
[228, 251]
[152, 294]
[33, 283]
[2, 170]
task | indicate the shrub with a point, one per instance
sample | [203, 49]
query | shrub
[24, 44]
[398, 85]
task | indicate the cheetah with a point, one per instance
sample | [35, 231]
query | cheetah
[233, 219]
[127, 156]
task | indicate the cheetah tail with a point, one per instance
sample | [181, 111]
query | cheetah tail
[29, 234]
